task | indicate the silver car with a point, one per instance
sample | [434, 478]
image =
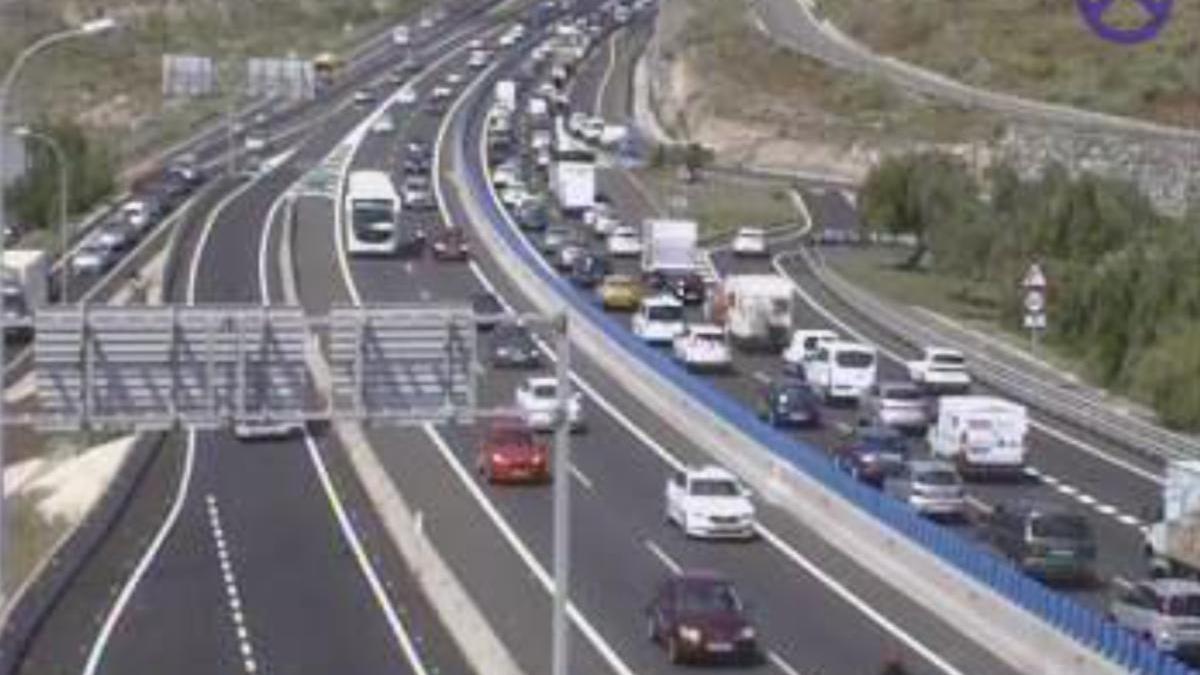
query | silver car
[931, 488]
[899, 405]
[1166, 611]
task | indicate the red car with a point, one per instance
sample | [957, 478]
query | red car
[698, 616]
[451, 244]
[511, 453]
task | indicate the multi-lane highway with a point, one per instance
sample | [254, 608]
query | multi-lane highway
[267, 556]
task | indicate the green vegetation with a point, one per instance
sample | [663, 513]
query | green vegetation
[1125, 292]
[1041, 49]
[747, 77]
[34, 198]
[719, 206]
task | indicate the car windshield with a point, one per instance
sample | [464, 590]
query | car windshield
[510, 436]
[1181, 605]
[1061, 526]
[710, 338]
[664, 313]
[855, 359]
[948, 359]
[545, 391]
[883, 441]
[901, 393]
[793, 393]
[715, 487]
[369, 212]
[708, 598]
[937, 477]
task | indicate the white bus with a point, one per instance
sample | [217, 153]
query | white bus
[372, 214]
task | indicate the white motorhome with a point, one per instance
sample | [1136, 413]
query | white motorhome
[842, 370]
[755, 308]
[372, 214]
[669, 245]
[982, 434]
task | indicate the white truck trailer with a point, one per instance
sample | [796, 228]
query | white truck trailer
[1173, 542]
[980, 434]
[756, 309]
[506, 95]
[23, 288]
[669, 245]
[573, 181]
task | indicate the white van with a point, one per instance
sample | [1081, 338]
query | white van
[982, 434]
[804, 344]
[659, 319]
[842, 370]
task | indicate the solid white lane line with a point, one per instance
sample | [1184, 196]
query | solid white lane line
[662, 556]
[96, 654]
[611, 46]
[501, 524]
[399, 633]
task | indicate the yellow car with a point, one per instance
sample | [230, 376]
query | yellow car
[620, 291]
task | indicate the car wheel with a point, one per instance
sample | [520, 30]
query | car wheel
[674, 654]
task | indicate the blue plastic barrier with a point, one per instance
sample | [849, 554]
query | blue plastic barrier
[1068, 616]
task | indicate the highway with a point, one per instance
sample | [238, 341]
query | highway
[795, 24]
[252, 556]
[813, 619]
[1113, 487]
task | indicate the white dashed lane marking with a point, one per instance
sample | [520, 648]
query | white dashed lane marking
[232, 596]
[1086, 499]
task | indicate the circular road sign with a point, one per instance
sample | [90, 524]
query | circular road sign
[1158, 12]
[1035, 302]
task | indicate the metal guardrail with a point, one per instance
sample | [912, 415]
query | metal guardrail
[1066, 614]
[1070, 405]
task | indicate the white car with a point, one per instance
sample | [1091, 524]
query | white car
[407, 96]
[454, 78]
[537, 400]
[384, 124]
[255, 430]
[659, 319]
[624, 242]
[440, 93]
[364, 97]
[750, 241]
[592, 129]
[506, 174]
[710, 502]
[703, 347]
[514, 194]
[475, 44]
[543, 158]
[479, 58]
[400, 35]
[547, 90]
[940, 370]
[804, 345]
[540, 138]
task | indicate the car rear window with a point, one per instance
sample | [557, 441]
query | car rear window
[1061, 526]
[855, 359]
[1181, 605]
[715, 488]
[708, 598]
[948, 359]
[510, 436]
[902, 393]
[938, 477]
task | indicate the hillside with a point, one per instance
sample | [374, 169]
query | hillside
[1041, 49]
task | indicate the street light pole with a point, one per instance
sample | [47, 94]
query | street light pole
[60, 158]
[90, 28]
[560, 627]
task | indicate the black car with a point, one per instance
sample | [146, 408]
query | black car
[589, 269]
[553, 240]
[687, 286]
[417, 166]
[873, 455]
[512, 346]
[488, 310]
[789, 403]
[1046, 541]
[532, 216]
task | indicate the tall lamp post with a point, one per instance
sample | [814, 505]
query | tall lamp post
[94, 27]
[60, 158]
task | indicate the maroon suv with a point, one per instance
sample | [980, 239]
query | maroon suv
[699, 616]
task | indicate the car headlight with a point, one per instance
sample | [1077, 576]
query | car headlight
[503, 351]
[747, 633]
[689, 634]
[1165, 636]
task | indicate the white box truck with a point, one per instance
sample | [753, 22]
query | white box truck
[755, 308]
[1173, 542]
[23, 288]
[573, 181]
[669, 245]
[981, 434]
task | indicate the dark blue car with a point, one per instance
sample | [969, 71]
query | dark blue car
[873, 454]
[789, 403]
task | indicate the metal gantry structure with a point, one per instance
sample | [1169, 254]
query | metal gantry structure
[216, 366]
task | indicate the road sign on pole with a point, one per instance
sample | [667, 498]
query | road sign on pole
[1034, 285]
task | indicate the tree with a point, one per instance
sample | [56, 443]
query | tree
[34, 196]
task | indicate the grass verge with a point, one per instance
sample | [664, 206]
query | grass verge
[719, 206]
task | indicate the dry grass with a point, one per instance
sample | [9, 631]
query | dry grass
[1040, 48]
[719, 206]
